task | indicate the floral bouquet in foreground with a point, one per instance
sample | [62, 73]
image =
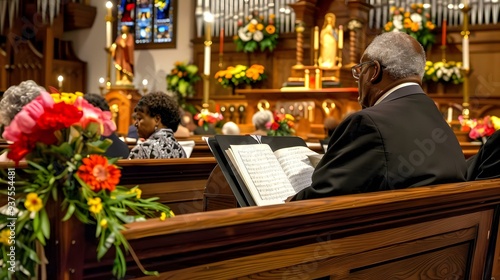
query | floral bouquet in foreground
[59, 137]
[181, 80]
[256, 33]
[205, 118]
[281, 125]
[480, 128]
[416, 23]
[448, 72]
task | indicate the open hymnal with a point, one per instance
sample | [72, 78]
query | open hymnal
[272, 177]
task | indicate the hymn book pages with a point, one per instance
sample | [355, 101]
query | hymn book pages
[272, 177]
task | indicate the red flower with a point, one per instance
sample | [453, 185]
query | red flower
[98, 174]
[275, 126]
[19, 149]
[60, 116]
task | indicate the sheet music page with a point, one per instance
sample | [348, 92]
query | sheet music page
[262, 173]
[297, 166]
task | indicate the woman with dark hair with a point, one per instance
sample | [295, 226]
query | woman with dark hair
[157, 118]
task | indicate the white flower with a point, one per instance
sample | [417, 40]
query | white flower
[254, 22]
[244, 35]
[258, 36]
[415, 17]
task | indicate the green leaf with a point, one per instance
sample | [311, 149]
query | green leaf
[69, 213]
[45, 223]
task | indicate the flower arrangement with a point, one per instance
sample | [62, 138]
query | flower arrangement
[240, 74]
[206, 117]
[59, 137]
[416, 23]
[448, 72]
[480, 128]
[281, 125]
[181, 79]
[256, 33]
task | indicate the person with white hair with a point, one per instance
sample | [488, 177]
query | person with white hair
[13, 100]
[259, 120]
[399, 139]
[230, 128]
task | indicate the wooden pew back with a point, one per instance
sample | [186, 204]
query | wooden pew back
[437, 232]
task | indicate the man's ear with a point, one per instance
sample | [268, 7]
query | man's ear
[377, 73]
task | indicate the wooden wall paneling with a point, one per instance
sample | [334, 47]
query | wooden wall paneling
[27, 63]
[3, 71]
[74, 73]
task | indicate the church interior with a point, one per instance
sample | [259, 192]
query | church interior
[292, 58]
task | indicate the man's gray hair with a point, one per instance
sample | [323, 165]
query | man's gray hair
[396, 51]
[15, 98]
[260, 119]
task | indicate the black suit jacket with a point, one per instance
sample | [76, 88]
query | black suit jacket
[486, 163]
[401, 142]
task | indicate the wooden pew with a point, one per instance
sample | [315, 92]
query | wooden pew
[437, 232]
[179, 183]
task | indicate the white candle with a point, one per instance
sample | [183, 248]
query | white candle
[60, 80]
[206, 63]
[450, 114]
[144, 83]
[341, 37]
[465, 52]
[209, 18]
[101, 81]
[109, 26]
[316, 38]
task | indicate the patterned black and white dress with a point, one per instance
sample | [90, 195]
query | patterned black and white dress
[160, 144]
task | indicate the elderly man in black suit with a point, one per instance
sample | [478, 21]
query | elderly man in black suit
[399, 139]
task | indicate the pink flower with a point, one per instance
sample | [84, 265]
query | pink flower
[25, 121]
[93, 114]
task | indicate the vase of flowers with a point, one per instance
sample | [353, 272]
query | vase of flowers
[59, 137]
[443, 72]
[206, 118]
[480, 129]
[237, 75]
[281, 125]
[417, 23]
[256, 33]
[181, 80]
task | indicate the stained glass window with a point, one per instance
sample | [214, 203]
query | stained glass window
[151, 21]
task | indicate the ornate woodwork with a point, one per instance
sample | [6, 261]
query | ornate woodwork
[122, 101]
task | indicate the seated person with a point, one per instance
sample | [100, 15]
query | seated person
[259, 120]
[230, 128]
[182, 131]
[486, 163]
[118, 148]
[157, 120]
[399, 139]
[132, 129]
[13, 100]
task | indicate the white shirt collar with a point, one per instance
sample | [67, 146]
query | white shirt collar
[393, 90]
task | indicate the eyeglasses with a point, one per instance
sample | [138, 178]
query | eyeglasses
[356, 69]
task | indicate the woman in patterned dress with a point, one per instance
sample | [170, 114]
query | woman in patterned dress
[157, 118]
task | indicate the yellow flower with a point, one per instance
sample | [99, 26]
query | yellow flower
[260, 26]
[270, 29]
[172, 213]
[163, 216]
[137, 191]
[104, 223]
[33, 203]
[4, 236]
[95, 205]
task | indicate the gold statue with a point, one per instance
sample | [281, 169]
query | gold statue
[122, 51]
[328, 40]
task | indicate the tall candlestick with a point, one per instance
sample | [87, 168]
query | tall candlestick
[221, 41]
[208, 18]
[450, 115]
[341, 37]
[316, 38]
[109, 26]
[443, 33]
